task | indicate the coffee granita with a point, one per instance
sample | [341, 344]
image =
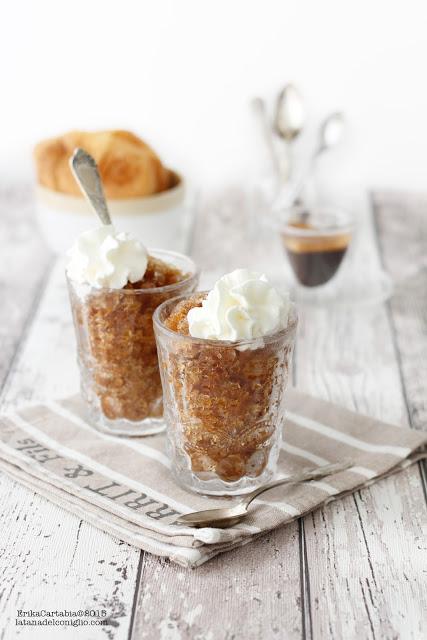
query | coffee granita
[123, 354]
[115, 287]
[225, 359]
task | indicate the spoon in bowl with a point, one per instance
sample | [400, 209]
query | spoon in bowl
[85, 171]
[229, 516]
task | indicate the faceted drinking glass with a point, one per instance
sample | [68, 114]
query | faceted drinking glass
[224, 405]
[116, 350]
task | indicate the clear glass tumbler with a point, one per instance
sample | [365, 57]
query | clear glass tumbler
[223, 405]
[116, 350]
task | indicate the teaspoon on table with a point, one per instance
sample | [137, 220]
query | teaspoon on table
[229, 516]
[86, 173]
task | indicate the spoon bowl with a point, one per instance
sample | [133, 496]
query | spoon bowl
[290, 116]
[331, 131]
[222, 518]
[289, 122]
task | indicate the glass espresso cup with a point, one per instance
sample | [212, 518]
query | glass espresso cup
[315, 242]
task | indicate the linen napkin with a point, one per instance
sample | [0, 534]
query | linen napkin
[124, 485]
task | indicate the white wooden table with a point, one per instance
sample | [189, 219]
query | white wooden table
[355, 569]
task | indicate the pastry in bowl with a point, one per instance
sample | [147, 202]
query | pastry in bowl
[148, 197]
[129, 168]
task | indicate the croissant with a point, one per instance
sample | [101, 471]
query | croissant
[129, 167]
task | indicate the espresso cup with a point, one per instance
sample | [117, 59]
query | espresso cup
[315, 242]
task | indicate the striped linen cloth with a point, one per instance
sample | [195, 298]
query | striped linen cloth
[124, 486]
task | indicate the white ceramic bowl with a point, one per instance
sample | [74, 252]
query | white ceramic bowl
[157, 220]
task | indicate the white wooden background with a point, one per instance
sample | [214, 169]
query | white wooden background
[355, 569]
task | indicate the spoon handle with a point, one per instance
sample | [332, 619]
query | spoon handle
[86, 173]
[324, 143]
[305, 174]
[260, 113]
[312, 474]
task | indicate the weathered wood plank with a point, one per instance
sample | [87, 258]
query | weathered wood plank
[247, 594]
[228, 234]
[364, 555]
[402, 229]
[24, 266]
[50, 558]
[358, 547]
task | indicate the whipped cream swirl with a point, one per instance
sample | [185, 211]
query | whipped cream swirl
[104, 258]
[242, 305]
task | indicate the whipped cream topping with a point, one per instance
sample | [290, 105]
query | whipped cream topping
[242, 305]
[104, 258]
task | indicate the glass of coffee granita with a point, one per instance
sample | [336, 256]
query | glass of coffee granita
[115, 285]
[225, 358]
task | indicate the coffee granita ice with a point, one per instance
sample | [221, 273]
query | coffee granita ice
[225, 358]
[115, 286]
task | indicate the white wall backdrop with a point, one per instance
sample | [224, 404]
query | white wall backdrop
[181, 72]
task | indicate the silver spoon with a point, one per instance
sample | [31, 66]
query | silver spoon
[289, 121]
[290, 116]
[330, 133]
[85, 171]
[228, 516]
[260, 112]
